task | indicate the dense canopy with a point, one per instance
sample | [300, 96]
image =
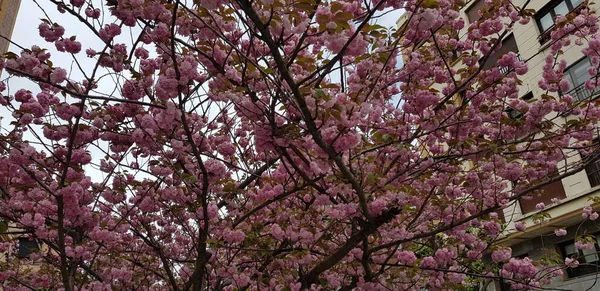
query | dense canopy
[279, 145]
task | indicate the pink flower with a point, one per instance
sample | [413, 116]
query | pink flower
[77, 3]
[72, 46]
[519, 226]
[58, 75]
[93, 13]
[277, 232]
[587, 211]
[406, 257]
[571, 263]
[428, 262]
[51, 33]
[109, 31]
[584, 245]
[90, 52]
[234, 236]
[560, 232]
[502, 255]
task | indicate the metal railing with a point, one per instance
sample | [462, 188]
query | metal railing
[506, 70]
[581, 93]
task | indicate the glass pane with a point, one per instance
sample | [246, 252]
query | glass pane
[579, 72]
[26, 247]
[590, 256]
[570, 250]
[561, 9]
[546, 22]
[568, 77]
[576, 3]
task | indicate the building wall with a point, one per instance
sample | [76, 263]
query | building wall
[543, 246]
[529, 47]
[538, 238]
[8, 15]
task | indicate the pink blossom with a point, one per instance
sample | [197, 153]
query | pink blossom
[72, 46]
[571, 263]
[428, 262]
[584, 245]
[560, 232]
[501, 255]
[58, 75]
[406, 257]
[234, 236]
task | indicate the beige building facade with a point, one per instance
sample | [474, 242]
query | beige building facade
[8, 16]
[538, 242]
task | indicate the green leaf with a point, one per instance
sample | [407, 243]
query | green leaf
[10, 55]
[336, 6]
[319, 93]
[342, 16]
[189, 178]
[430, 4]
[3, 227]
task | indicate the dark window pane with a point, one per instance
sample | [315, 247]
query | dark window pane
[577, 74]
[561, 9]
[546, 22]
[545, 16]
[26, 247]
[508, 45]
[473, 11]
[552, 190]
[593, 170]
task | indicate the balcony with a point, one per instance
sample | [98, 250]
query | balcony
[573, 6]
[581, 93]
[506, 70]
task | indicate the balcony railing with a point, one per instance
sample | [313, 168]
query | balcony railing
[505, 70]
[581, 93]
[545, 35]
[593, 172]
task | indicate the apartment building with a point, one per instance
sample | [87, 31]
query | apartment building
[531, 42]
[8, 16]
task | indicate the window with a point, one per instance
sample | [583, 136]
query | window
[545, 18]
[508, 45]
[26, 247]
[592, 168]
[515, 114]
[544, 195]
[589, 261]
[577, 74]
[473, 11]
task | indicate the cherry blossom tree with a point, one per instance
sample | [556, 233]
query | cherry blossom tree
[279, 145]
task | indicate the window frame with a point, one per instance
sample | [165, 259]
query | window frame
[549, 9]
[592, 170]
[578, 91]
[545, 195]
[477, 5]
[507, 44]
[25, 249]
[585, 268]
